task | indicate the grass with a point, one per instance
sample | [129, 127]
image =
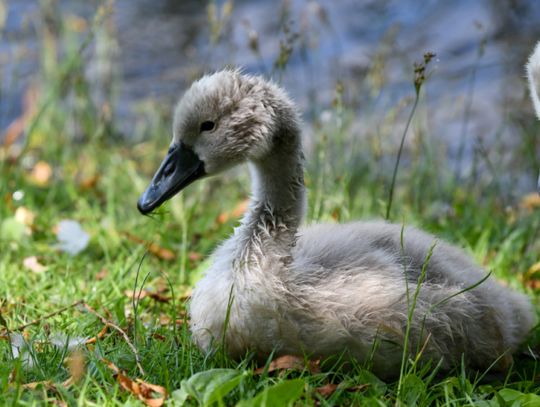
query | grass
[96, 179]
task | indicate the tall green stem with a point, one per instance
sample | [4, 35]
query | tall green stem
[392, 185]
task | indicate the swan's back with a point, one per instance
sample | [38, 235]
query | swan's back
[355, 272]
[377, 243]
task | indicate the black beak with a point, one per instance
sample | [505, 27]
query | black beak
[180, 168]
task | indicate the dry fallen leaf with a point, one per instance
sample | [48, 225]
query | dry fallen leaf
[164, 319]
[159, 337]
[327, 390]
[153, 248]
[530, 201]
[48, 384]
[41, 173]
[89, 183]
[24, 216]
[101, 274]
[290, 362]
[145, 293]
[186, 295]
[32, 264]
[160, 285]
[180, 322]
[330, 388]
[531, 278]
[358, 387]
[236, 212]
[535, 268]
[194, 256]
[76, 365]
[146, 392]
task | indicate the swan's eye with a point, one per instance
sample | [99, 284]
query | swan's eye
[207, 126]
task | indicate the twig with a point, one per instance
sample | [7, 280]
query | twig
[100, 335]
[52, 314]
[121, 331]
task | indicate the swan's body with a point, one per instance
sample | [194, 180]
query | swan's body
[533, 74]
[326, 289]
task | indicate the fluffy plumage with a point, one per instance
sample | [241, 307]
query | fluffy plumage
[533, 74]
[326, 289]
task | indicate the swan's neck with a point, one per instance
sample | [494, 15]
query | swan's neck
[278, 195]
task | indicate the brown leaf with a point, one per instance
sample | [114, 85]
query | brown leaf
[186, 296]
[357, 388]
[161, 252]
[153, 248]
[330, 388]
[89, 183]
[159, 337]
[531, 278]
[164, 319]
[101, 274]
[146, 392]
[25, 216]
[161, 285]
[8, 199]
[76, 366]
[530, 201]
[534, 269]
[182, 321]
[236, 212]
[194, 256]
[145, 293]
[290, 362]
[327, 390]
[48, 384]
[41, 173]
[111, 366]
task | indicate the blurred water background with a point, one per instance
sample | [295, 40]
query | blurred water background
[145, 52]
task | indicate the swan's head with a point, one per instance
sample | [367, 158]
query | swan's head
[222, 120]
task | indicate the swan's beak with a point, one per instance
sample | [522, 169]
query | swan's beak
[180, 168]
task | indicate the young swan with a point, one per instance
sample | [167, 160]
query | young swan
[533, 74]
[326, 289]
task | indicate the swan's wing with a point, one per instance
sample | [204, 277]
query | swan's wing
[377, 247]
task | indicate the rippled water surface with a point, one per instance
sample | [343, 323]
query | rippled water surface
[153, 48]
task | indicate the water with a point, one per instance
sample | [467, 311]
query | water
[158, 46]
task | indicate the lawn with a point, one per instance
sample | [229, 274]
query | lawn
[107, 324]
